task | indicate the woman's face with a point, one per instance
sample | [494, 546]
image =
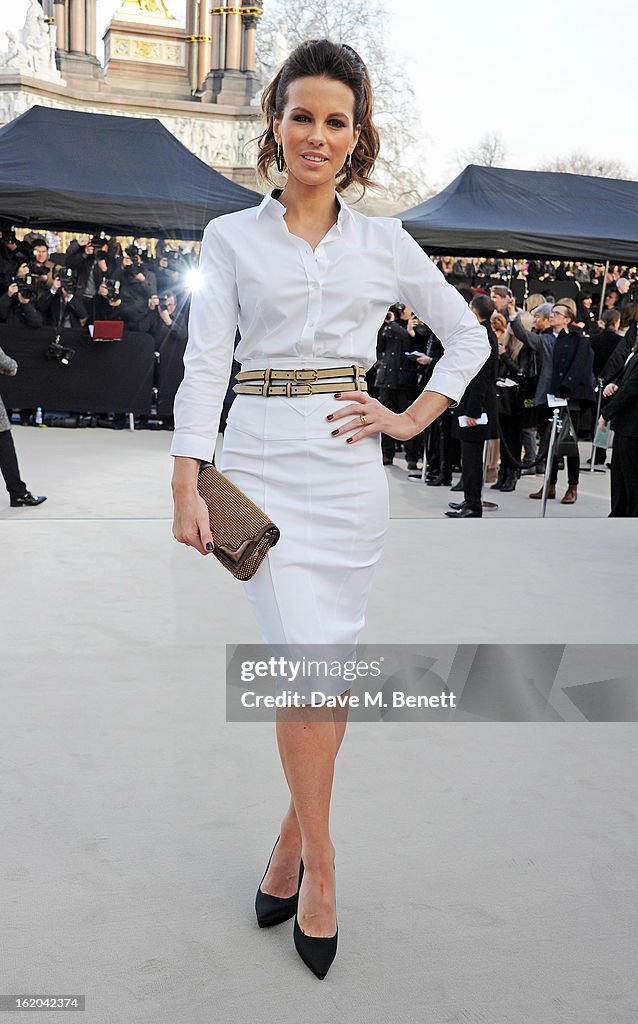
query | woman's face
[318, 121]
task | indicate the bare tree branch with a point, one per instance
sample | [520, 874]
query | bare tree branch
[490, 151]
[580, 163]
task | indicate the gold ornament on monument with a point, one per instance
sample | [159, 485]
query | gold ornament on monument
[157, 7]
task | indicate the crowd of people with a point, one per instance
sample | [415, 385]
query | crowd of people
[94, 280]
[557, 345]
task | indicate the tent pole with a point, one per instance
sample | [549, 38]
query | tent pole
[602, 294]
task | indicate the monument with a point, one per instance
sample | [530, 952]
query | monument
[196, 75]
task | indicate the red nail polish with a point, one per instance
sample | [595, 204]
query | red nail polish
[335, 431]
[329, 416]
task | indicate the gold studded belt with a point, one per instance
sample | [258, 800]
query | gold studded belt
[301, 382]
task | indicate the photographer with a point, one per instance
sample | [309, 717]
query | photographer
[168, 273]
[137, 285]
[12, 254]
[164, 320]
[108, 304]
[41, 267]
[18, 493]
[398, 377]
[17, 305]
[60, 305]
[90, 263]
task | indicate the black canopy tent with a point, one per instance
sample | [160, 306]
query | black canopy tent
[491, 210]
[73, 171]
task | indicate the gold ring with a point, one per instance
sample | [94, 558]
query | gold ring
[363, 420]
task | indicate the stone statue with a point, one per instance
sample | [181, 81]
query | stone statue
[16, 55]
[34, 51]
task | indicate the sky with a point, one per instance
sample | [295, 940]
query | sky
[549, 81]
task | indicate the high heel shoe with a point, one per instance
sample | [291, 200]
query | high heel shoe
[317, 952]
[272, 910]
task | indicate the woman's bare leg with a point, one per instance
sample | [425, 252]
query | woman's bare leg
[299, 747]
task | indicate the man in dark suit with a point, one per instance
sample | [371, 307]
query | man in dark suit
[621, 410]
[479, 398]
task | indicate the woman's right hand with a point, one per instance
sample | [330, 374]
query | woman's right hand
[610, 390]
[191, 523]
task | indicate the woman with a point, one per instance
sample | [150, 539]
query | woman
[510, 351]
[308, 281]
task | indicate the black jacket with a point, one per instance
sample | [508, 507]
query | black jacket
[622, 407]
[479, 397]
[395, 369]
[15, 313]
[153, 324]
[616, 361]
[51, 307]
[573, 367]
[603, 345]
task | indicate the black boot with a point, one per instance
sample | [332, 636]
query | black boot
[500, 480]
[509, 483]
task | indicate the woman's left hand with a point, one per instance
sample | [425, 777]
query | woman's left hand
[378, 419]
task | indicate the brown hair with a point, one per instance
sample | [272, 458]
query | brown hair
[499, 323]
[569, 305]
[322, 58]
[610, 316]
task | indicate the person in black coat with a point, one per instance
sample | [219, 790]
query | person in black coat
[572, 377]
[61, 307]
[616, 361]
[586, 316]
[398, 378]
[604, 343]
[18, 309]
[479, 398]
[621, 410]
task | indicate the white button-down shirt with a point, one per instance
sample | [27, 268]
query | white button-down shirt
[297, 307]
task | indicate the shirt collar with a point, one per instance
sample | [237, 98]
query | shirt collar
[275, 208]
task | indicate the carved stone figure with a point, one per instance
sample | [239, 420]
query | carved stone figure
[34, 50]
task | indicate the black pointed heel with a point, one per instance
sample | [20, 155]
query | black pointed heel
[272, 910]
[317, 952]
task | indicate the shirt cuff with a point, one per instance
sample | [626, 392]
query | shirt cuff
[446, 385]
[193, 446]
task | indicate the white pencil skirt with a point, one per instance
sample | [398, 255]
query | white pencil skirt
[330, 502]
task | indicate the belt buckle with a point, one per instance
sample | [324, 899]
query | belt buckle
[299, 379]
[297, 387]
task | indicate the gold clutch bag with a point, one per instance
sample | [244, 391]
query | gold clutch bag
[242, 532]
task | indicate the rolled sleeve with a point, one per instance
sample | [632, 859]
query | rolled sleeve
[423, 288]
[208, 356]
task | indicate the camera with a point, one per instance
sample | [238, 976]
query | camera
[67, 277]
[25, 286]
[60, 353]
[38, 270]
[163, 302]
[112, 288]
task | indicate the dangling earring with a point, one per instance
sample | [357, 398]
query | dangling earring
[280, 159]
[348, 168]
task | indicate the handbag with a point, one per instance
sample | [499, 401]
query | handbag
[566, 441]
[508, 397]
[529, 381]
[242, 532]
